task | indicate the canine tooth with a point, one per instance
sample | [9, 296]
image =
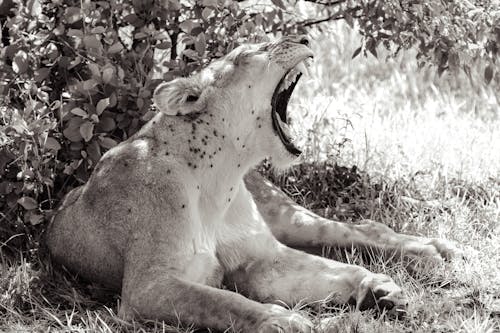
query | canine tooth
[307, 62]
[303, 68]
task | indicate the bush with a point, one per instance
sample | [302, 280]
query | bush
[77, 76]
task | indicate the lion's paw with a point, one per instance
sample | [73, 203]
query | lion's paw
[329, 325]
[425, 254]
[379, 291]
[282, 320]
[446, 249]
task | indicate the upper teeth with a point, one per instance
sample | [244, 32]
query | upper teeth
[301, 67]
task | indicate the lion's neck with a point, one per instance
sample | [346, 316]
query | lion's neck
[216, 155]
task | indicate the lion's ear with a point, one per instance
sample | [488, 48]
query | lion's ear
[177, 97]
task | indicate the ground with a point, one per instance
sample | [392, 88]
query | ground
[383, 140]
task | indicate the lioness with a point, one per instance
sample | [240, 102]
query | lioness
[168, 216]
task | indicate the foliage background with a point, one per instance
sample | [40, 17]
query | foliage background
[76, 78]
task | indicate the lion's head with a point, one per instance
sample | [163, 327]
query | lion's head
[247, 91]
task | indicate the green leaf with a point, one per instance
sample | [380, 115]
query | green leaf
[131, 18]
[206, 13]
[28, 203]
[94, 118]
[73, 14]
[94, 69]
[20, 62]
[134, 20]
[115, 48]
[87, 130]
[188, 25]
[163, 45]
[106, 124]
[94, 151]
[98, 30]
[89, 84]
[36, 219]
[52, 144]
[74, 33]
[41, 74]
[107, 74]
[200, 44]
[75, 62]
[73, 134]
[191, 54]
[107, 142]
[210, 3]
[371, 46]
[79, 112]
[488, 74]
[356, 52]
[91, 42]
[101, 105]
[279, 3]
[174, 5]
[148, 116]
[35, 8]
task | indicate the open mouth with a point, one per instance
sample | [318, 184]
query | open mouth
[279, 103]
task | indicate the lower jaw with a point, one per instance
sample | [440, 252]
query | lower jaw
[290, 148]
[293, 151]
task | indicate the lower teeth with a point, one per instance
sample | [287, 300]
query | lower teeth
[284, 127]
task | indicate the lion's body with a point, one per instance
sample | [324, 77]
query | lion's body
[166, 216]
[143, 189]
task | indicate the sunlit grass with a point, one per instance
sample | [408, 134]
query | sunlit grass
[424, 137]
[412, 134]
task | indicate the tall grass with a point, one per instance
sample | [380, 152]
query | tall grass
[430, 138]
[414, 135]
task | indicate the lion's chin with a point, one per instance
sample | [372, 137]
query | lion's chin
[284, 160]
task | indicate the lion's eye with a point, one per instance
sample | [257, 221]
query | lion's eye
[191, 98]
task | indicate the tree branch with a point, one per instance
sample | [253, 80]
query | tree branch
[327, 3]
[174, 39]
[333, 17]
[338, 15]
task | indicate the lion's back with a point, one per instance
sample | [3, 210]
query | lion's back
[89, 230]
[95, 222]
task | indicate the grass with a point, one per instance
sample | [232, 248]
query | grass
[412, 135]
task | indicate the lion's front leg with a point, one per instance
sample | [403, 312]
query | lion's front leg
[296, 226]
[292, 276]
[158, 283]
[260, 267]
